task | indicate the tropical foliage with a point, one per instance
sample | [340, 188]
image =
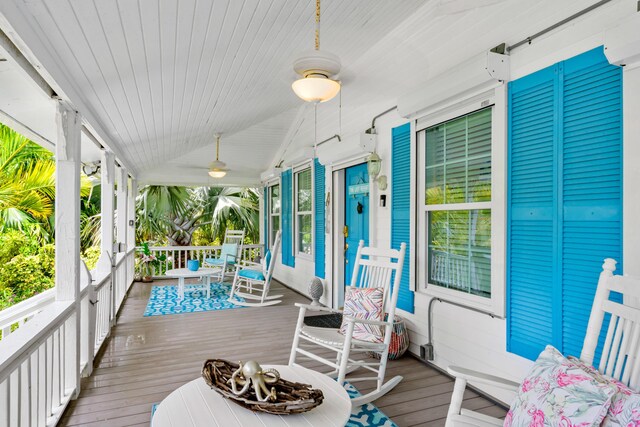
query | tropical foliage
[179, 215]
[27, 200]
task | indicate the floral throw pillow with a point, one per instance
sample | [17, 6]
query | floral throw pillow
[557, 392]
[625, 404]
[364, 303]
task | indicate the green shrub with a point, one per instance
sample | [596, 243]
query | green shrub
[25, 277]
[91, 256]
[13, 243]
[47, 254]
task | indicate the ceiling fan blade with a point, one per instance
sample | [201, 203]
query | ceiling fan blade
[452, 7]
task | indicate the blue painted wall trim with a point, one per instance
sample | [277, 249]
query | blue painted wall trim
[319, 218]
[564, 197]
[286, 194]
[401, 206]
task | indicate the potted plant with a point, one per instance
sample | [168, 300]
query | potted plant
[148, 260]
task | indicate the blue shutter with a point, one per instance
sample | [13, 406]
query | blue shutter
[287, 220]
[591, 185]
[530, 231]
[319, 218]
[266, 206]
[564, 199]
[401, 205]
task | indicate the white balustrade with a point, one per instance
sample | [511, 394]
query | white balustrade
[35, 384]
[15, 316]
[177, 256]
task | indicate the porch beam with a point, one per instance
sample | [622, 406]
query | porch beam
[131, 217]
[67, 228]
[107, 204]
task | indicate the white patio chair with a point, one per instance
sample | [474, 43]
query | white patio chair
[252, 280]
[375, 271]
[230, 254]
[624, 321]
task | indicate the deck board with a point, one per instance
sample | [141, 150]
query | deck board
[146, 358]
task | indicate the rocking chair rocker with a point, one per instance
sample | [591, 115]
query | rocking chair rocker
[619, 354]
[376, 271]
[252, 280]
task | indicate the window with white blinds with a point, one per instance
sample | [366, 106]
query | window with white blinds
[304, 214]
[457, 203]
[274, 212]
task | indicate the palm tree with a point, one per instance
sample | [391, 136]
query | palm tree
[230, 207]
[175, 213]
[27, 183]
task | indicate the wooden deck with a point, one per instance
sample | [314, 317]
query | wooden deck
[146, 358]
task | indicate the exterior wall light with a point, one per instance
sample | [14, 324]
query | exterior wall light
[374, 164]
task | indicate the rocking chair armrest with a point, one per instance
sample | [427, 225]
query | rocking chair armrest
[367, 321]
[480, 377]
[244, 264]
[317, 308]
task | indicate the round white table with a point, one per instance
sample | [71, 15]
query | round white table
[185, 273]
[196, 404]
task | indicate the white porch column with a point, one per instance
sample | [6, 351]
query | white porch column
[121, 199]
[67, 226]
[131, 217]
[107, 204]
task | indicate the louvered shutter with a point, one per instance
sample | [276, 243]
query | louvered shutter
[564, 199]
[287, 216]
[401, 206]
[591, 185]
[319, 218]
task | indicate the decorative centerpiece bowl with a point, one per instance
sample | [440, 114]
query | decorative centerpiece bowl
[288, 397]
[193, 264]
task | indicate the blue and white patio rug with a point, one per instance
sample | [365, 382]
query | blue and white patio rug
[363, 416]
[164, 300]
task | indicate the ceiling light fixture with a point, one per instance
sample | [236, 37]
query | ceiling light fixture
[317, 69]
[218, 169]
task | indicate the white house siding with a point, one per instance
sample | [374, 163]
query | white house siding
[460, 336]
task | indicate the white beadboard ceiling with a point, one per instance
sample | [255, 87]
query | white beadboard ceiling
[162, 76]
[157, 78]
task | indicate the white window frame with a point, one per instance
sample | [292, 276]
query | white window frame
[270, 213]
[496, 303]
[296, 172]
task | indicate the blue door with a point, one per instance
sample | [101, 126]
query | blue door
[356, 215]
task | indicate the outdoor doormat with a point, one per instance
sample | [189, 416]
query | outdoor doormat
[164, 300]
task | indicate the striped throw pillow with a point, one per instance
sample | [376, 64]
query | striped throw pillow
[364, 303]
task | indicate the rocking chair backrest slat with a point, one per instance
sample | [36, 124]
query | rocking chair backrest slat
[235, 237]
[274, 255]
[620, 350]
[377, 271]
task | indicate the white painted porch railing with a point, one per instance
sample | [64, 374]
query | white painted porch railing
[177, 256]
[37, 372]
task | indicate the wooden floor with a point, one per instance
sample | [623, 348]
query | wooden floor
[146, 358]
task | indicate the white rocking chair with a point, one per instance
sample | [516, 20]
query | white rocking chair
[621, 342]
[376, 271]
[230, 254]
[252, 280]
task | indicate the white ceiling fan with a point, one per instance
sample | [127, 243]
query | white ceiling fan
[452, 7]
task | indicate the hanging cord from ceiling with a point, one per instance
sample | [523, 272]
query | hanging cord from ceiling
[529, 39]
[317, 24]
